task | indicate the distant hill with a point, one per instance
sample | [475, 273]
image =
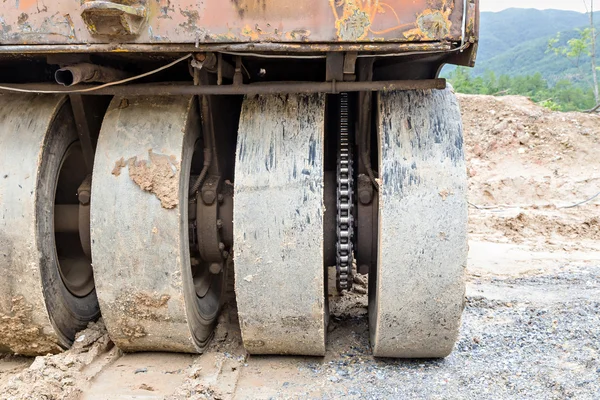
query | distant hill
[514, 42]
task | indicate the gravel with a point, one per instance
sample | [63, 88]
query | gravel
[508, 349]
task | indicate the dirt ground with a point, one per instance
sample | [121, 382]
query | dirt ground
[531, 328]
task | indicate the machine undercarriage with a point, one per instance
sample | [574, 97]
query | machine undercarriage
[134, 187]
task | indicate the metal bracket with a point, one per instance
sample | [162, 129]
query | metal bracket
[366, 232]
[341, 66]
[334, 67]
[210, 245]
[350, 66]
[238, 77]
[220, 69]
[214, 221]
[113, 19]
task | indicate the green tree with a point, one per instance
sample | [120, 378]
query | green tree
[576, 48]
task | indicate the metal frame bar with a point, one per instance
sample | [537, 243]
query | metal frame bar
[171, 89]
[387, 47]
[83, 130]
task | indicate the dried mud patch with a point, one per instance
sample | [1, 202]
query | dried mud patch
[19, 334]
[59, 376]
[213, 376]
[158, 175]
[146, 306]
[140, 307]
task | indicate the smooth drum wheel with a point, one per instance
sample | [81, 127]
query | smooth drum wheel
[278, 225]
[47, 285]
[151, 298]
[416, 293]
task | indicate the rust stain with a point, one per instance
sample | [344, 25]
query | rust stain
[298, 35]
[257, 33]
[251, 7]
[249, 32]
[267, 9]
[223, 37]
[22, 18]
[323, 22]
[192, 19]
[356, 18]
[129, 2]
[165, 7]
[71, 26]
[431, 25]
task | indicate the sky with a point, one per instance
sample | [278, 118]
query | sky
[498, 5]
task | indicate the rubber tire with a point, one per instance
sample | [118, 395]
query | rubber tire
[416, 291]
[140, 247]
[69, 314]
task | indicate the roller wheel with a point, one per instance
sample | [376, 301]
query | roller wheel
[46, 287]
[278, 225]
[417, 290]
[151, 298]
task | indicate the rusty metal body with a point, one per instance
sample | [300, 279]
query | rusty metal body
[420, 36]
[372, 23]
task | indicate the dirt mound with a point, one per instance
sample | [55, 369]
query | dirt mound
[527, 225]
[60, 376]
[521, 153]
[501, 125]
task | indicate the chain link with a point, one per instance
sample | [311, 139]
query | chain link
[345, 204]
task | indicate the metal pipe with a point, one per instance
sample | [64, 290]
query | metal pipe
[86, 72]
[172, 89]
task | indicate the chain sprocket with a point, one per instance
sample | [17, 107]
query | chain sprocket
[345, 203]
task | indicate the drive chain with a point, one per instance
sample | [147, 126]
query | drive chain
[345, 204]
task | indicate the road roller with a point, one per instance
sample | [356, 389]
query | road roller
[152, 150]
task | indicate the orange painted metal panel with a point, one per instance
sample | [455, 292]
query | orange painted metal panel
[231, 21]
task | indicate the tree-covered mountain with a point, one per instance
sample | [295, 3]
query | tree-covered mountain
[514, 42]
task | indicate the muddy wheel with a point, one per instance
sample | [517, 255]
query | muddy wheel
[140, 227]
[47, 286]
[278, 225]
[417, 290]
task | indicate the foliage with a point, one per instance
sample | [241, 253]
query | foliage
[562, 96]
[575, 50]
[514, 42]
[576, 47]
